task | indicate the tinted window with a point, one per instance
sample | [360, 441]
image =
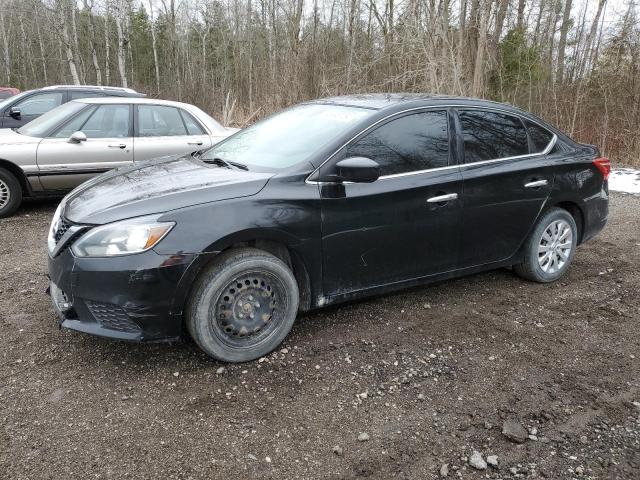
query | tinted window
[40, 103]
[108, 121]
[540, 137]
[407, 144]
[193, 127]
[490, 135]
[288, 137]
[75, 124]
[158, 121]
[77, 95]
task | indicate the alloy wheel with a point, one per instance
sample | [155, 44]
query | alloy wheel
[554, 247]
[5, 194]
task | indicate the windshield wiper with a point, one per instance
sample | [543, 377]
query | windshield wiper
[224, 163]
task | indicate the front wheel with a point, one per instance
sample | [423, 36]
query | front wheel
[550, 248]
[10, 193]
[242, 306]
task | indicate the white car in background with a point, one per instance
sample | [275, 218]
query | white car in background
[82, 138]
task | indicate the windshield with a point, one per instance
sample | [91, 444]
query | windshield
[41, 125]
[288, 137]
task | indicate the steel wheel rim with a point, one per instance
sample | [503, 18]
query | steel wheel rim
[554, 247]
[249, 309]
[5, 194]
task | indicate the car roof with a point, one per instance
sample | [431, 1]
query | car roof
[103, 88]
[381, 101]
[137, 100]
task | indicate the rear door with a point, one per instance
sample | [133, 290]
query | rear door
[506, 180]
[392, 230]
[64, 165]
[166, 130]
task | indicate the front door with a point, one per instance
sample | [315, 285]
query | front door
[506, 179]
[164, 130]
[403, 226]
[64, 165]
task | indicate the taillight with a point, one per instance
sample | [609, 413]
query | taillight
[604, 165]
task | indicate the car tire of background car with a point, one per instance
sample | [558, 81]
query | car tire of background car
[243, 305]
[10, 193]
[550, 247]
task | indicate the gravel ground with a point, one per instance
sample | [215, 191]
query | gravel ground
[413, 385]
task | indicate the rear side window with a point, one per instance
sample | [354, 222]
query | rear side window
[159, 121]
[193, 127]
[491, 135]
[411, 143]
[76, 95]
[540, 137]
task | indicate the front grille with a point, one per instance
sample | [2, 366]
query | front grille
[63, 226]
[112, 317]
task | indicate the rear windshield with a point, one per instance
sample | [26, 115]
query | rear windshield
[288, 137]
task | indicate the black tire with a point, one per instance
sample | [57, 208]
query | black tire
[225, 327]
[10, 193]
[531, 268]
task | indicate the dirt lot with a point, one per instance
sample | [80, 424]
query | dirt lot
[430, 375]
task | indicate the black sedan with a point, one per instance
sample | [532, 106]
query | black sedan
[324, 202]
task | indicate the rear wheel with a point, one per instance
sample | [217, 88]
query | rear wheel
[243, 305]
[10, 193]
[550, 247]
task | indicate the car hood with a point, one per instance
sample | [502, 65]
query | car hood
[157, 186]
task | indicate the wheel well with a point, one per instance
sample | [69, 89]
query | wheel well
[576, 213]
[18, 173]
[290, 258]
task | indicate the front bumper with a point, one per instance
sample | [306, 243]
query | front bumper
[135, 297]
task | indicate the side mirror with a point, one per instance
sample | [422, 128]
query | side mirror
[15, 112]
[358, 170]
[77, 137]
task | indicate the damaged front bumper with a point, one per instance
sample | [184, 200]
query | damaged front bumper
[135, 297]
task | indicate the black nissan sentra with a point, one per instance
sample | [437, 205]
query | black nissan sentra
[324, 202]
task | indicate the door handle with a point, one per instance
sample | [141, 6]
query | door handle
[117, 145]
[194, 143]
[443, 198]
[536, 184]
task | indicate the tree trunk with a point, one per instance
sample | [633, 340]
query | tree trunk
[122, 43]
[520, 20]
[92, 42]
[155, 48]
[5, 46]
[562, 43]
[40, 42]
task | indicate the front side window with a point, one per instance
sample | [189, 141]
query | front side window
[75, 123]
[540, 137]
[491, 135]
[40, 103]
[159, 121]
[108, 121]
[411, 143]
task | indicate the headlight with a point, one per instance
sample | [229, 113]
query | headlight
[121, 238]
[55, 223]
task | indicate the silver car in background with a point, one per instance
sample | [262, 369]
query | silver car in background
[82, 138]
